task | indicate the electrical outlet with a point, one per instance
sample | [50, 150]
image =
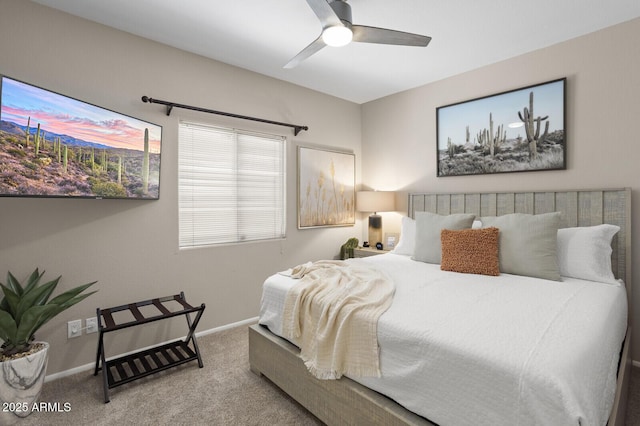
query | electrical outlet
[74, 328]
[92, 325]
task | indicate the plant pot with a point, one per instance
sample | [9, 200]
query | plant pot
[21, 381]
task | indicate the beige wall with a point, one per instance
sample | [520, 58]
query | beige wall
[131, 247]
[603, 143]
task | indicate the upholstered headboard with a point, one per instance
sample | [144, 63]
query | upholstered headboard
[579, 208]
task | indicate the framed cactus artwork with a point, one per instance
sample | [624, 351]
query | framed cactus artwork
[326, 188]
[516, 131]
[56, 146]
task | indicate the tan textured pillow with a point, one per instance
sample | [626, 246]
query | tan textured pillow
[471, 251]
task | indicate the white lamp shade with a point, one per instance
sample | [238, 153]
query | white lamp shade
[376, 201]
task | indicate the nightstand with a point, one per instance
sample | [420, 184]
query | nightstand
[368, 251]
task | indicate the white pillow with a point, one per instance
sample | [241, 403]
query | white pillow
[407, 243]
[585, 252]
[476, 224]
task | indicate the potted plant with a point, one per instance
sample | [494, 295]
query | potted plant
[25, 308]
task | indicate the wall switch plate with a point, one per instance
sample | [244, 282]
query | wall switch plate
[92, 325]
[74, 329]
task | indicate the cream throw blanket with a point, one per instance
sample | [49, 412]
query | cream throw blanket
[332, 315]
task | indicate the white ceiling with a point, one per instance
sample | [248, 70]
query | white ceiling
[263, 35]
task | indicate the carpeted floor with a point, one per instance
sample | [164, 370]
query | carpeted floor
[224, 392]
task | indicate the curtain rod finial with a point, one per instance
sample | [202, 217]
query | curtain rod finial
[298, 129]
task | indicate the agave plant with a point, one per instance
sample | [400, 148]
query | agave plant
[26, 307]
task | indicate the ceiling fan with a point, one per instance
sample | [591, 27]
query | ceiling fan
[337, 30]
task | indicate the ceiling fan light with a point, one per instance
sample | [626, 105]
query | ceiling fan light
[337, 36]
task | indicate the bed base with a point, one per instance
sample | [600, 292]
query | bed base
[619, 411]
[334, 402]
[343, 401]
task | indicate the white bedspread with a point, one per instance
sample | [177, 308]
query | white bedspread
[462, 349]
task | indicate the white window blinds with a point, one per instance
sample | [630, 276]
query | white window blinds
[231, 185]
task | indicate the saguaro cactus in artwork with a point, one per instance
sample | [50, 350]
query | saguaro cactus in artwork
[37, 141]
[65, 158]
[492, 146]
[26, 136]
[497, 139]
[103, 161]
[483, 139]
[532, 128]
[491, 141]
[451, 148]
[145, 163]
[120, 169]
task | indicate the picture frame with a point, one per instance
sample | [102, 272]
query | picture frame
[518, 130]
[326, 187]
[54, 145]
[391, 240]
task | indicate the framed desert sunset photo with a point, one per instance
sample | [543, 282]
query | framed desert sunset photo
[52, 145]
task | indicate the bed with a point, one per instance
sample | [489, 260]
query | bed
[357, 400]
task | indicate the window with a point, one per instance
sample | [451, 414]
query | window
[231, 186]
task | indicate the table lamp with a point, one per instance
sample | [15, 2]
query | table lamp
[375, 201]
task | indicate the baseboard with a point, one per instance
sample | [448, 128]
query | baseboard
[91, 366]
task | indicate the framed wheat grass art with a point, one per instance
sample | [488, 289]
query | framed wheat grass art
[326, 188]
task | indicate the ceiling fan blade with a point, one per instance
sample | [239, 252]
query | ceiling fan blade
[306, 52]
[324, 12]
[365, 34]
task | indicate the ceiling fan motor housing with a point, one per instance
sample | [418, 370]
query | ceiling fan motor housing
[343, 11]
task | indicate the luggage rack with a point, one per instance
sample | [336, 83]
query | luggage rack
[127, 368]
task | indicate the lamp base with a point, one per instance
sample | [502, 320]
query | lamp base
[375, 229]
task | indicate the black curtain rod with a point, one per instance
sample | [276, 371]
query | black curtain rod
[170, 105]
